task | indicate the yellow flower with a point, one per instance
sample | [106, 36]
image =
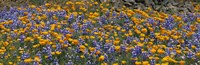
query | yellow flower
[157, 58]
[61, 41]
[54, 46]
[45, 33]
[75, 42]
[82, 56]
[157, 64]
[123, 62]
[47, 4]
[181, 41]
[36, 45]
[153, 50]
[44, 16]
[65, 45]
[115, 34]
[10, 63]
[151, 57]
[5, 44]
[104, 63]
[53, 53]
[95, 14]
[198, 20]
[144, 30]
[28, 39]
[142, 35]
[91, 49]
[95, 3]
[182, 62]
[101, 58]
[118, 28]
[178, 51]
[166, 59]
[70, 39]
[87, 37]
[117, 48]
[36, 58]
[160, 51]
[68, 35]
[92, 37]
[123, 30]
[58, 52]
[165, 63]
[86, 44]
[32, 6]
[145, 63]
[193, 47]
[140, 44]
[116, 42]
[138, 63]
[115, 64]
[42, 42]
[82, 48]
[198, 54]
[137, 31]
[28, 60]
[59, 26]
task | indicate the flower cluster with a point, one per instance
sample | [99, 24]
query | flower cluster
[92, 33]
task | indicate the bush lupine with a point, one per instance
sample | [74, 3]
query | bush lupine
[87, 33]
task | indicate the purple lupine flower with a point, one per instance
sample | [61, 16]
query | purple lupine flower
[48, 50]
[25, 55]
[185, 19]
[106, 47]
[35, 63]
[190, 55]
[103, 19]
[121, 15]
[55, 62]
[22, 37]
[70, 62]
[128, 40]
[153, 61]
[78, 19]
[124, 41]
[77, 58]
[123, 48]
[134, 54]
[75, 26]
[71, 18]
[191, 16]
[144, 55]
[138, 50]
[94, 43]
[67, 55]
[114, 14]
[61, 14]
[112, 59]
[107, 13]
[106, 58]
[98, 47]
[82, 17]
[89, 62]
[126, 19]
[58, 46]
[77, 50]
[111, 50]
[189, 45]
[81, 41]
[168, 52]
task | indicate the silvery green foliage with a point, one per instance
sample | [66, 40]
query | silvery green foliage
[160, 5]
